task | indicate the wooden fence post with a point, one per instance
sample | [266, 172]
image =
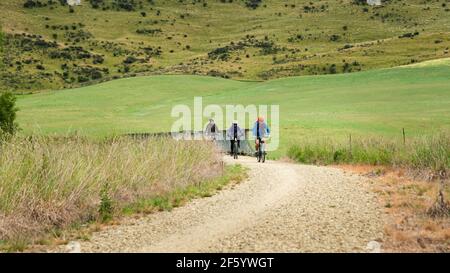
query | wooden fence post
[404, 137]
[350, 144]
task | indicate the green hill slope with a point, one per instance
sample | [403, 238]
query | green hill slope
[374, 103]
[50, 46]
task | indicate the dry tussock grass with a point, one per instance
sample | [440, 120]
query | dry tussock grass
[406, 201]
[51, 183]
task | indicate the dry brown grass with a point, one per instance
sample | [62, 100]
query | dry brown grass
[408, 227]
[47, 184]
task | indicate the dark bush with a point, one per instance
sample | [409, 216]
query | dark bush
[130, 60]
[96, 3]
[44, 44]
[253, 4]
[335, 38]
[221, 53]
[29, 4]
[332, 69]
[97, 59]
[8, 113]
[150, 31]
[95, 75]
[267, 47]
[127, 5]
[408, 35]
[82, 79]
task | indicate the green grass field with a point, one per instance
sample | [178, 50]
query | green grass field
[377, 103]
[279, 38]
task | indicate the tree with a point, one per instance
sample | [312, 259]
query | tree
[8, 113]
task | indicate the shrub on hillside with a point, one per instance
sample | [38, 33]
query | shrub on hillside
[267, 47]
[127, 5]
[335, 38]
[151, 31]
[29, 4]
[409, 35]
[96, 3]
[86, 73]
[360, 2]
[130, 60]
[253, 4]
[97, 59]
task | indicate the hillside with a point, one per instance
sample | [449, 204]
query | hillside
[375, 103]
[52, 46]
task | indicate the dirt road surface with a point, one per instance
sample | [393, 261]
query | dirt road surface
[281, 207]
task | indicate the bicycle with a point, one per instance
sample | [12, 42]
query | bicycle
[213, 137]
[235, 149]
[261, 153]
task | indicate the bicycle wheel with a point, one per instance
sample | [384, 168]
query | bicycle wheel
[263, 153]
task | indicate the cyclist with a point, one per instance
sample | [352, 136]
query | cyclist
[261, 131]
[235, 133]
[211, 130]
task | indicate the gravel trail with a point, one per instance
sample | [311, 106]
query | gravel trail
[281, 207]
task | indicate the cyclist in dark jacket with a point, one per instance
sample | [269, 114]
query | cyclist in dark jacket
[211, 130]
[235, 133]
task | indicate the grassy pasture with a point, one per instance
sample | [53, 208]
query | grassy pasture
[376, 103]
